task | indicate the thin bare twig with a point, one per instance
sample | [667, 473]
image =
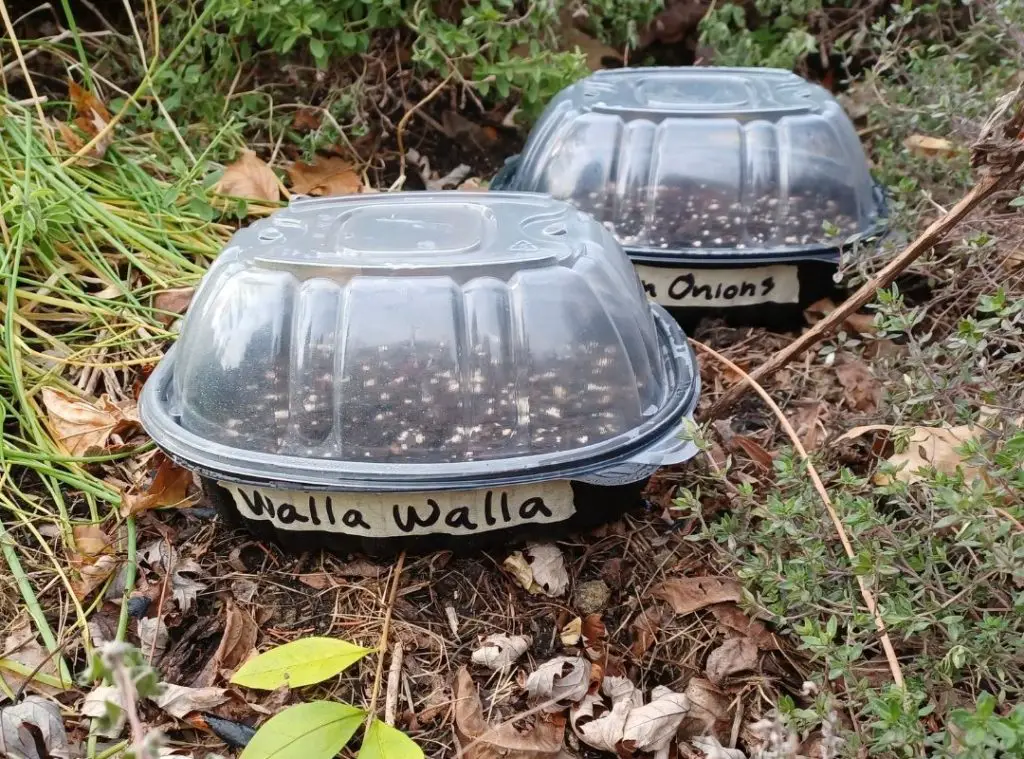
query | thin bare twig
[394, 678]
[869, 599]
[382, 646]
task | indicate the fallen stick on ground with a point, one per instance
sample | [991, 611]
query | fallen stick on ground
[394, 676]
[382, 646]
[1002, 153]
[869, 598]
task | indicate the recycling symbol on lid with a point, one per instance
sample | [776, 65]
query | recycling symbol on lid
[522, 246]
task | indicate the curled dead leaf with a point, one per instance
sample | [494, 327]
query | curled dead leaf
[731, 616]
[734, 655]
[174, 301]
[863, 391]
[481, 740]
[862, 324]
[326, 176]
[249, 177]
[602, 726]
[500, 651]
[236, 643]
[936, 448]
[709, 707]
[83, 427]
[559, 682]
[541, 570]
[929, 147]
[595, 637]
[169, 487]
[179, 700]
[572, 632]
[688, 594]
[645, 629]
[92, 118]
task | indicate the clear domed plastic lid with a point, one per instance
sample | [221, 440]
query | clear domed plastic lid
[405, 340]
[710, 162]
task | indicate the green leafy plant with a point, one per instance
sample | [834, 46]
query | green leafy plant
[317, 729]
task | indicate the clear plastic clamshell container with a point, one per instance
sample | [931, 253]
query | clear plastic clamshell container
[705, 163]
[419, 342]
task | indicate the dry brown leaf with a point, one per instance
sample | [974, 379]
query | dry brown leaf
[595, 636]
[653, 727]
[929, 147]
[179, 700]
[572, 632]
[934, 447]
[559, 682]
[92, 118]
[808, 425]
[708, 707]
[90, 539]
[249, 177]
[317, 580]
[645, 629]
[501, 651]
[22, 648]
[236, 644]
[480, 740]
[169, 487]
[326, 176]
[307, 119]
[858, 432]
[731, 616]
[82, 427]
[571, 38]
[541, 570]
[863, 324]
[713, 749]
[754, 451]
[735, 655]
[863, 391]
[602, 727]
[688, 594]
[357, 568]
[153, 638]
[174, 301]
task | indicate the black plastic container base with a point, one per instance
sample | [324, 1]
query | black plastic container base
[816, 281]
[595, 505]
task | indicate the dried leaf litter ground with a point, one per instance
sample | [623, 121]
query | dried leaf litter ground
[655, 598]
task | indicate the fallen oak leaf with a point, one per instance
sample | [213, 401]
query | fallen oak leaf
[180, 701]
[933, 448]
[734, 655]
[559, 682]
[541, 570]
[599, 726]
[929, 147]
[687, 595]
[863, 392]
[173, 302]
[595, 637]
[31, 725]
[93, 561]
[24, 663]
[482, 740]
[653, 727]
[731, 616]
[713, 749]
[645, 629]
[93, 117]
[82, 427]
[169, 487]
[501, 651]
[326, 176]
[237, 642]
[249, 177]
[571, 632]
[708, 706]
[863, 324]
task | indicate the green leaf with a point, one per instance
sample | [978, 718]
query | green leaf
[385, 742]
[301, 662]
[317, 730]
